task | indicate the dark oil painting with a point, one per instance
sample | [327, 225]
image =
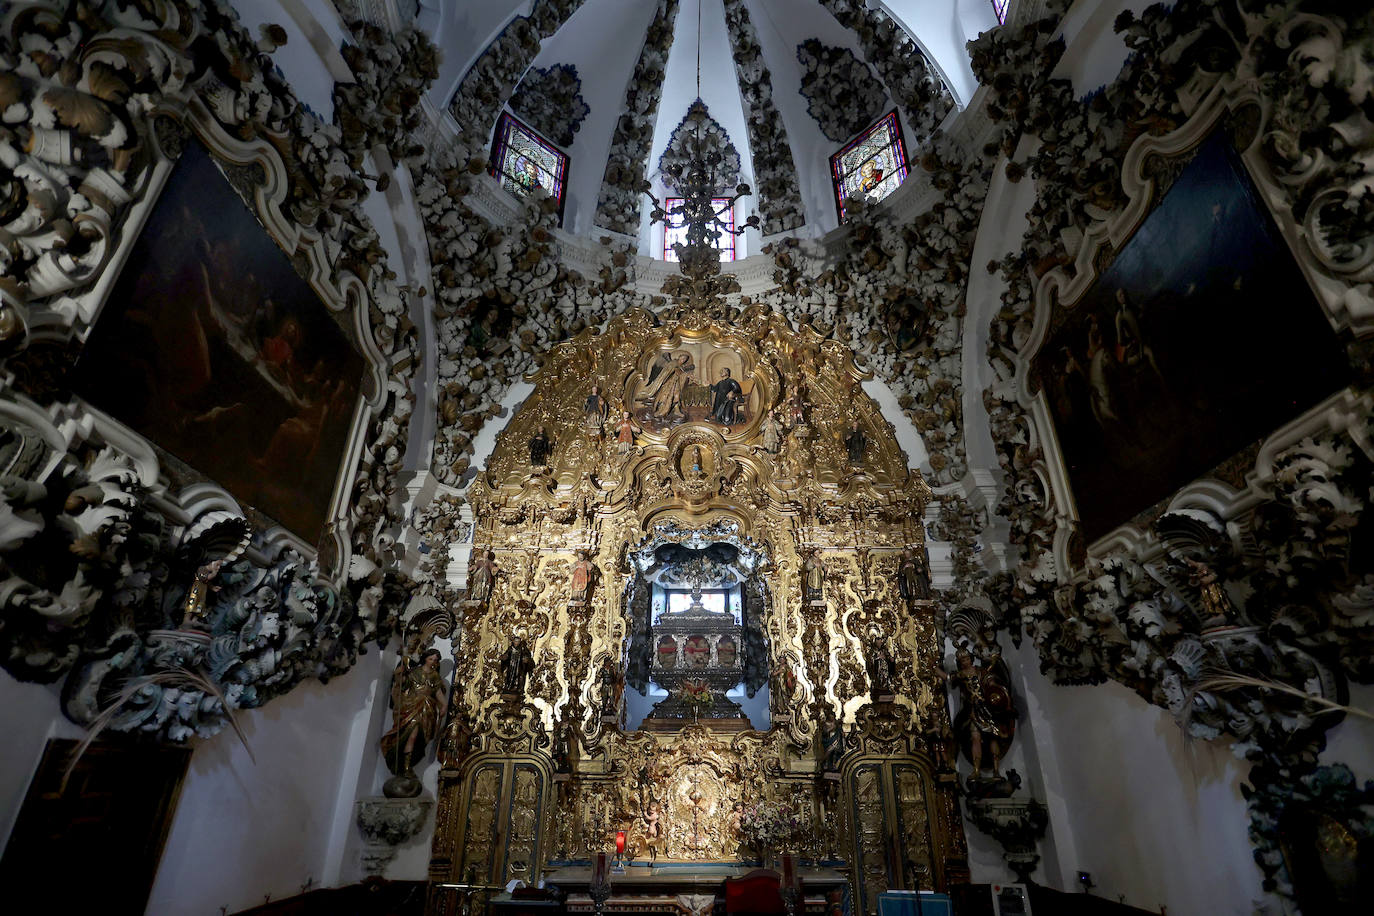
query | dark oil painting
[1201, 338]
[214, 348]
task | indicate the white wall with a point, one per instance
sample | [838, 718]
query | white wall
[244, 830]
[1151, 816]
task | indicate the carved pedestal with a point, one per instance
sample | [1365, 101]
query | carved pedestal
[386, 823]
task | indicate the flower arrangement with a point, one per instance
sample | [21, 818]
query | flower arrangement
[697, 694]
[768, 824]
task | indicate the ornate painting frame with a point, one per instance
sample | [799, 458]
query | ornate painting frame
[113, 552]
[340, 292]
[1065, 288]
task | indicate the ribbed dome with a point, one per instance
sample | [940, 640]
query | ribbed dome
[787, 83]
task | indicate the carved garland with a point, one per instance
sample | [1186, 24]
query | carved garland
[840, 91]
[95, 543]
[550, 100]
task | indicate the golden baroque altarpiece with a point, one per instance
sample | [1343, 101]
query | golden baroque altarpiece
[698, 430]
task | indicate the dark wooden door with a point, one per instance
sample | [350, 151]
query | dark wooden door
[93, 845]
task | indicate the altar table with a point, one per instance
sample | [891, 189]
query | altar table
[684, 888]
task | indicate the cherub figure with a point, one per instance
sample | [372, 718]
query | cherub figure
[655, 831]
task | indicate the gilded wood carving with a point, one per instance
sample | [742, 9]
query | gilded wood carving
[692, 431]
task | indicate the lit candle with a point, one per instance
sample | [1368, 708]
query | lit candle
[620, 842]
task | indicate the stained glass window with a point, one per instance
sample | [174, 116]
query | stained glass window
[1000, 8]
[523, 161]
[675, 229]
[870, 167]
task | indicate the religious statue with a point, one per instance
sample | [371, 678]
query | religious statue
[418, 701]
[1215, 602]
[727, 400]
[832, 741]
[594, 411]
[541, 448]
[772, 433]
[197, 606]
[913, 575]
[516, 665]
[794, 415]
[986, 723]
[655, 831]
[583, 579]
[735, 823]
[880, 666]
[666, 382]
[698, 471]
[625, 431]
[856, 443]
[609, 679]
[562, 749]
[482, 573]
[457, 741]
[814, 576]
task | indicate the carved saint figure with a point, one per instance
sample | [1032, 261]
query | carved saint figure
[698, 471]
[562, 749]
[418, 702]
[583, 579]
[727, 400]
[987, 721]
[832, 741]
[814, 573]
[609, 679]
[197, 606]
[625, 431]
[457, 740]
[482, 574]
[771, 431]
[541, 447]
[913, 576]
[856, 443]
[516, 665]
[594, 410]
[664, 391]
[881, 667]
[1215, 601]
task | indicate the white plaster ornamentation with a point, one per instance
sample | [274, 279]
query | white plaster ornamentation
[1143, 604]
[497, 71]
[775, 172]
[618, 204]
[97, 108]
[901, 65]
[713, 141]
[841, 93]
[386, 823]
[550, 100]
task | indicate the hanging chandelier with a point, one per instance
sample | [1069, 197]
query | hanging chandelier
[703, 210]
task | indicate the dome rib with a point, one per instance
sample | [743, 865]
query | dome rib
[902, 66]
[618, 203]
[498, 70]
[775, 171]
